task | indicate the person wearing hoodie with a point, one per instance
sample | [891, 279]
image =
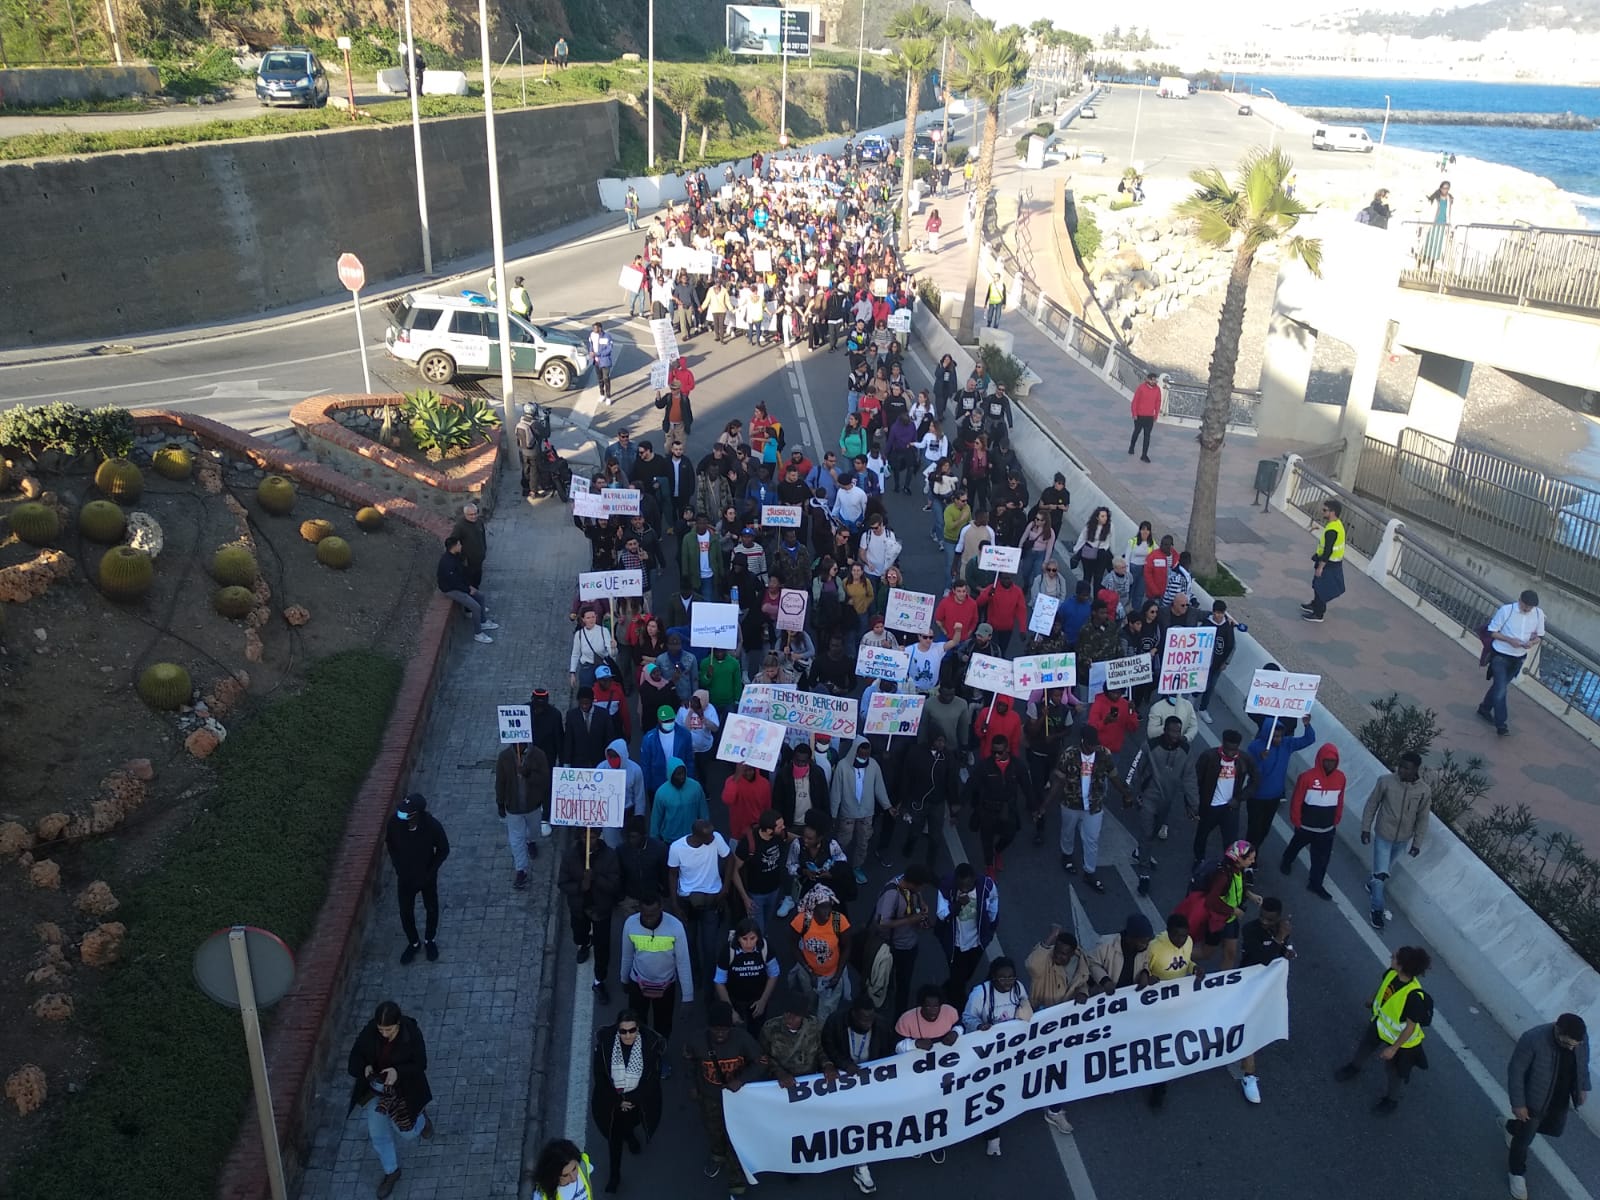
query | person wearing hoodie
[591, 880]
[417, 849]
[1399, 807]
[855, 797]
[721, 675]
[667, 740]
[1315, 810]
[1113, 716]
[679, 803]
[926, 785]
[1005, 607]
[1272, 751]
[994, 722]
[1155, 719]
[521, 792]
[636, 801]
[1161, 776]
[609, 695]
[746, 795]
[799, 786]
[701, 718]
[549, 731]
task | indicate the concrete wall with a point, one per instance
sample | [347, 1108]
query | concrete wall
[52, 85]
[117, 244]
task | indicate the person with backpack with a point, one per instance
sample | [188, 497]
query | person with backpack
[822, 940]
[1377, 213]
[968, 914]
[1315, 811]
[760, 856]
[999, 1000]
[1401, 1013]
[898, 919]
[1214, 903]
[747, 973]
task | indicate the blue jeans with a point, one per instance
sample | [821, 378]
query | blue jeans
[633, 221]
[1135, 588]
[639, 306]
[1383, 852]
[950, 549]
[1502, 670]
[852, 401]
[992, 315]
[708, 588]
[1028, 570]
[937, 528]
[766, 908]
[384, 1134]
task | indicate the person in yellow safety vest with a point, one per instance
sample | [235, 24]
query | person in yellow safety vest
[521, 302]
[1400, 1010]
[994, 302]
[493, 289]
[1327, 572]
[563, 1172]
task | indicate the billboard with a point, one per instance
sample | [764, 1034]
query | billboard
[756, 29]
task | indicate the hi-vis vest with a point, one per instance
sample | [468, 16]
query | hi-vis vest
[585, 1177]
[1335, 527]
[997, 293]
[1386, 1013]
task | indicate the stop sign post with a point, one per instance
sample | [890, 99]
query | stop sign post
[354, 276]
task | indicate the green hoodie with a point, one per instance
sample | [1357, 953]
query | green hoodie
[724, 679]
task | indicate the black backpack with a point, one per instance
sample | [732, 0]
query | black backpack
[1200, 878]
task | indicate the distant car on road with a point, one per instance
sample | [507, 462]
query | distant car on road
[291, 75]
[1088, 113]
[872, 148]
[1341, 137]
[1244, 110]
[925, 148]
[446, 336]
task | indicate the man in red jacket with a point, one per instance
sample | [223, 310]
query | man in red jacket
[1146, 408]
[956, 614]
[747, 794]
[1006, 608]
[1000, 722]
[1314, 811]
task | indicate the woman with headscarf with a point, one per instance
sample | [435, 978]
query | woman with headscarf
[389, 1064]
[626, 1095]
[822, 940]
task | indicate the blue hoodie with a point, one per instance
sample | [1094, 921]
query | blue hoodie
[1273, 764]
[677, 808]
[635, 802]
[653, 757]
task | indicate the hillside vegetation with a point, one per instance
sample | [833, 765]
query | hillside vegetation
[1474, 22]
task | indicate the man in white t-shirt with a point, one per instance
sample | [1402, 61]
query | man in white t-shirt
[926, 656]
[849, 503]
[698, 865]
[1515, 629]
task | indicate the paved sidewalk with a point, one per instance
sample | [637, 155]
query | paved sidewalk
[479, 1005]
[1371, 643]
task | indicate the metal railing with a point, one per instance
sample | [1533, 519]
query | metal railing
[1548, 525]
[1514, 264]
[1567, 668]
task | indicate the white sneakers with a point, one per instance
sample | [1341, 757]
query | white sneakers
[1252, 1088]
[484, 638]
[992, 1147]
[1519, 1187]
[786, 906]
[863, 1179]
[490, 626]
[1057, 1121]
[1161, 834]
[1205, 716]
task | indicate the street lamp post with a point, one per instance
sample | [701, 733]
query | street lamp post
[1273, 142]
[650, 91]
[1384, 136]
[1138, 109]
[783, 54]
[944, 81]
[413, 87]
[861, 54]
[496, 229]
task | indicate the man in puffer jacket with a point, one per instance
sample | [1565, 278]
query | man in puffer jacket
[1161, 775]
[1315, 811]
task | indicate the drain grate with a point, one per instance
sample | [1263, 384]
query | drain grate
[1232, 529]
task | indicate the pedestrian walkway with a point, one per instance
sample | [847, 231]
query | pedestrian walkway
[1370, 645]
[479, 1006]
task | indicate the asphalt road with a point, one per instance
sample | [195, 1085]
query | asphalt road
[1310, 1138]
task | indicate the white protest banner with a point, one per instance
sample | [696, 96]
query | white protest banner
[1034, 671]
[925, 1100]
[630, 280]
[824, 278]
[658, 375]
[762, 259]
[1043, 618]
[516, 723]
[578, 487]
[588, 796]
[876, 662]
[1097, 679]
[588, 504]
[909, 612]
[989, 674]
[686, 258]
[781, 516]
[673, 255]
[1282, 694]
[894, 713]
[714, 625]
[812, 712]
[792, 605]
[666, 340]
[608, 502]
[900, 321]
[880, 287]
[602, 585]
[1004, 559]
[751, 740]
[1186, 660]
[1128, 672]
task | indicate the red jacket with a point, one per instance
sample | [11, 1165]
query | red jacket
[1155, 573]
[1004, 723]
[746, 800]
[950, 612]
[1005, 608]
[1146, 400]
[684, 376]
[1318, 800]
[1113, 720]
[608, 694]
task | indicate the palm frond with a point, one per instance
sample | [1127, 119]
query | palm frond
[1306, 250]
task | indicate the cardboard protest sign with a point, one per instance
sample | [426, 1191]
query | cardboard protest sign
[666, 340]
[781, 516]
[1128, 672]
[909, 612]
[761, 258]
[989, 674]
[900, 321]
[1186, 660]
[792, 605]
[1042, 620]
[714, 625]
[658, 375]
[894, 713]
[630, 280]
[876, 662]
[1282, 694]
[603, 585]
[812, 712]
[516, 723]
[607, 503]
[751, 740]
[579, 486]
[1035, 671]
[1004, 559]
[592, 796]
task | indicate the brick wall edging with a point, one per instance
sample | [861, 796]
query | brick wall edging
[310, 417]
[300, 1034]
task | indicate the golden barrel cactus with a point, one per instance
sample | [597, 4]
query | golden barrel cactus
[126, 573]
[173, 461]
[165, 686]
[276, 495]
[369, 519]
[120, 480]
[316, 529]
[234, 566]
[35, 523]
[101, 521]
[334, 552]
[234, 602]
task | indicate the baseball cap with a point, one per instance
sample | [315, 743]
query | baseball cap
[985, 630]
[602, 672]
[666, 713]
[415, 804]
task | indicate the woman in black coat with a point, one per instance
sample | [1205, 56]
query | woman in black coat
[389, 1064]
[626, 1075]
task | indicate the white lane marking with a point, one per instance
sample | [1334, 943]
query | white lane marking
[578, 1049]
[1066, 1145]
[811, 428]
[171, 379]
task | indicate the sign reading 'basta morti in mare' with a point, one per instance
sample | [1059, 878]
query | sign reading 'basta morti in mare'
[1186, 661]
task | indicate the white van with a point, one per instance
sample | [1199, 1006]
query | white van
[1341, 137]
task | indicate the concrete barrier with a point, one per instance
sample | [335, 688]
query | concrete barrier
[225, 229]
[392, 81]
[52, 85]
[442, 83]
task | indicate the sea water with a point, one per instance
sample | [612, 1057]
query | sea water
[1569, 158]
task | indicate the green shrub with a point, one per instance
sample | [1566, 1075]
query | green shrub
[1122, 202]
[161, 1115]
[1044, 129]
[208, 75]
[1002, 367]
[928, 292]
[958, 156]
[921, 168]
[1223, 583]
[67, 429]
[722, 56]
[483, 418]
[1398, 728]
[1086, 235]
[1022, 145]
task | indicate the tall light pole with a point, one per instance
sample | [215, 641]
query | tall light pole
[1138, 108]
[650, 91]
[1384, 136]
[861, 54]
[496, 230]
[1272, 143]
[416, 143]
[783, 95]
[944, 81]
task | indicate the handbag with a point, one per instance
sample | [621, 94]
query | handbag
[392, 1105]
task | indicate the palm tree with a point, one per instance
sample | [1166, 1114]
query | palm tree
[708, 111]
[992, 64]
[913, 30]
[680, 93]
[1244, 214]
